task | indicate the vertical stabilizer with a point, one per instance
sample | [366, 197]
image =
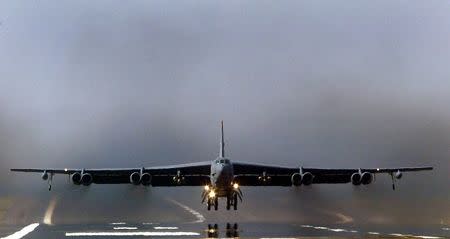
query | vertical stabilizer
[222, 143]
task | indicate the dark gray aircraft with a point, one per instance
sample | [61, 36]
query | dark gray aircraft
[221, 177]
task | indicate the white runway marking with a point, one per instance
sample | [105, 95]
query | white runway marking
[49, 212]
[200, 217]
[125, 228]
[373, 233]
[427, 237]
[446, 229]
[409, 235]
[337, 230]
[321, 228]
[307, 226]
[165, 228]
[118, 223]
[23, 232]
[123, 234]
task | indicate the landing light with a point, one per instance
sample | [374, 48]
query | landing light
[235, 186]
[212, 194]
[206, 188]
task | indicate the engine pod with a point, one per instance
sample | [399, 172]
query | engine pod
[307, 178]
[76, 178]
[45, 175]
[86, 179]
[356, 179]
[296, 179]
[146, 179]
[135, 178]
[366, 178]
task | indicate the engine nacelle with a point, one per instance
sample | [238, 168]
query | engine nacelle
[296, 179]
[135, 178]
[146, 179]
[76, 178]
[366, 178]
[356, 178]
[398, 175]
[86, 179]
[45, 175]
[307, 178]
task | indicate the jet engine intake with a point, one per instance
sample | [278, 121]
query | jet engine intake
[76, 178]
[135, 178]
[366, 178]
[307, 178]
[356, 178]
[296, 179]
[86, 179]
[146, 179]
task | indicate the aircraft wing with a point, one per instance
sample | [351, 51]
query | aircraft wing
[195, 174]
[248, 174]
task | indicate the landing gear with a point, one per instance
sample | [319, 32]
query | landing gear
[232, 200]
[213, 202]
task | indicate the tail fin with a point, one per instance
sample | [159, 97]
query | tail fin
[222, 143]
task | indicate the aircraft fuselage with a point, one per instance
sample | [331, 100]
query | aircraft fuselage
[222, 176]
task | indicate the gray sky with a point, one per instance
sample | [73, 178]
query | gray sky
[313, 83]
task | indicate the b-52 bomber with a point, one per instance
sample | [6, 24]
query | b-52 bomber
[222, 178]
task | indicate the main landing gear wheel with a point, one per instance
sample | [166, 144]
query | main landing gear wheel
[235, 201]
[228, 202]
[209, 204]
[216, 203]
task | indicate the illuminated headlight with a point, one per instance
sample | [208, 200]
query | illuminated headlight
[206, 188]
[212, 194]
[235, 186]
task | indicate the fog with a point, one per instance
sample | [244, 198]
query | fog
[299, 83]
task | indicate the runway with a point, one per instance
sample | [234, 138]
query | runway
[165, 213]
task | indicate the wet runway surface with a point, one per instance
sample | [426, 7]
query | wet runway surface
[166, 213]
[205, 230]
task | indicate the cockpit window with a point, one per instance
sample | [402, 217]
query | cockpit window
[222, 161]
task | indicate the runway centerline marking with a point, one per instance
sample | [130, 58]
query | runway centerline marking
[23, 232]
[165, 228]
[200, 217]
[49, 212]
[144, 234]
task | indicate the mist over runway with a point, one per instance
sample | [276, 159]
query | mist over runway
[167, 215]
[111, 84]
